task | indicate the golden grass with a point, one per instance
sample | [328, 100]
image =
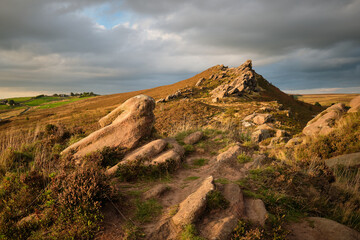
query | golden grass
[327, 99]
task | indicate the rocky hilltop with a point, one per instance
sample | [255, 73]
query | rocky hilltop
[224, 155]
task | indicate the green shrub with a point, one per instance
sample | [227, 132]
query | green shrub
[243, 158]
[190, 233]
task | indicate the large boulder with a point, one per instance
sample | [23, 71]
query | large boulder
[355, 105]
[130, 123]
[315, 228]
[324, 122]
[193, 206]
[255, 211]
[347, 160]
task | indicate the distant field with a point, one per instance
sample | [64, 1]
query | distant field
[58, 104]
[20, 99]
[326, 99]
[42, 100]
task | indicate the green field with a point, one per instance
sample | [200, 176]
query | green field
[60, 103]
[21, 99]
[42, 100]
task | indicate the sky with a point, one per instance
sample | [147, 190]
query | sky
[105, 46]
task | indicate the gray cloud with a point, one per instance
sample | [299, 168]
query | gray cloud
[57, 46]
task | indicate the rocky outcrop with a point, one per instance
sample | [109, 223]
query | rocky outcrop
[315, 228]
[355, 105]
[245, 83]
[230, 154]
[324, 122]
[194, 205]
[200, 82]
[144, 153]
[262, 132]
[152, 153]
[347, 160]
[220, 225]
[194, 137]
[124, 127]
[255, 211]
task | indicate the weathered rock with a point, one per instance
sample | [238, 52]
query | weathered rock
[324, 122]
[281, 133]
[220, 224]
[246, 124]
[278, 140]
[194, 205]
[166, 156]
[315, 228]
[245, 83]
[230, 154]
[28, 219]
[262, 118]
[261, 134]
[161, 100]
[135, 122]
[144, 153]
[221, 91]
[250, 117]
[200, 82]
[215, 100]
[257, 162]
[347, 160]
[355, 105]
[293, 142]
[156, 192]
[194, 137]
[255, 211]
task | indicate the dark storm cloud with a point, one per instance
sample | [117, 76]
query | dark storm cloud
[57, 45]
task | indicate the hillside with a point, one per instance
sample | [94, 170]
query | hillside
[221, 155]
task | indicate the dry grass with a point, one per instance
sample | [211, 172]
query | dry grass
[326, 99]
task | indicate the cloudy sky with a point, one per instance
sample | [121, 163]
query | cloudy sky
[104, 46]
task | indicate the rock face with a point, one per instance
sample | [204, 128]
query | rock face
[200, 82]
[130, 122]
[152, 154]
[230, 154]
[245, 83]
[194, 205]
[255, 211]
[315, 228]
[348, 160]
[145, 152]
[324, 122]
[355, 105]
[293, 142]
[194, 137]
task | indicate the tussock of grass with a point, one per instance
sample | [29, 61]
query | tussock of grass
[147, 210]
[190, 233]
[243, 158]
